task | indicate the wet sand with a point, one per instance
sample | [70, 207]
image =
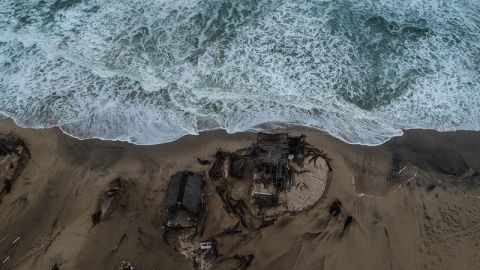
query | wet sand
[413, 203]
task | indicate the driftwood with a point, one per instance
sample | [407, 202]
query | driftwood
[218, 168]
[232, 206]
[124, 236]
[109, 199]
[203, 161]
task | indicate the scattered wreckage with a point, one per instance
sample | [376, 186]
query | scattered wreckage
[14, 155]
[277, 175]
[185, 204]
[285, 174]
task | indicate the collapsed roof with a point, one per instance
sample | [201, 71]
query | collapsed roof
[185, 191]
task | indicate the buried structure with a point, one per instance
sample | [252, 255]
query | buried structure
[13, 158]
[277, 175]
[110, 198]
[184, 201]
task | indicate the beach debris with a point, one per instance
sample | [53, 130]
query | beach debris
[3, 238]
[431, 187]
[14, 242]
[220, 167]
[55, 267]
[110, 199]
[205, 255]
[276, 175]
[124, 236]
[335, 208]
[203, 161]
[202, 254]
[285, 173]
[13, 158]
[206, 245]
[237, 207]
[148, 241]
[6, 260]
[184, 200]
[348, 222]
[125, 265]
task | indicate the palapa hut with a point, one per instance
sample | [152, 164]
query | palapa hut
[184, 199]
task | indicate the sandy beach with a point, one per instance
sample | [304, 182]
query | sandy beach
[413, 203]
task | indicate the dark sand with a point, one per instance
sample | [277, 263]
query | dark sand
[414, 203]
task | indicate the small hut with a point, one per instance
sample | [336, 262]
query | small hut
[184, 199]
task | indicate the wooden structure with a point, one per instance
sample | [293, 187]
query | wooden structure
[184, 199]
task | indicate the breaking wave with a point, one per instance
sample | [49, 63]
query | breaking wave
[151, 71]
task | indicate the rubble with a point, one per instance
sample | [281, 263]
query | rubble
[184, 201]
[13, 158]
[286, 175]
[277, 175]
[220, 167]
[110, 199]
[125, 265]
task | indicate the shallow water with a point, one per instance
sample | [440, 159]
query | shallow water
[151, 71]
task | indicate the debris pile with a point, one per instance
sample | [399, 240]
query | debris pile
[184, 201]
[110, 198]
[278, 174]
[13, 158]
[125, 265]
[285, 174]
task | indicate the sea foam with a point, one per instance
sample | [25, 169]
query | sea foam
[150, 72]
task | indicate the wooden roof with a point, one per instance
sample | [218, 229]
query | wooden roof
[185, 190]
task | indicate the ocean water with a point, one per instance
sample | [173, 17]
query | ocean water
[151, 71]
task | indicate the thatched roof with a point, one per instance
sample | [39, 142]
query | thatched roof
[185, 191]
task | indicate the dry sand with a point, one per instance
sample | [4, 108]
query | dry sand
[414, 203]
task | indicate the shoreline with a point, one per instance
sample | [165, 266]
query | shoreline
[279, 127]
[411, 201]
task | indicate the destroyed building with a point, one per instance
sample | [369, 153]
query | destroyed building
[13, 158]
[184, 200]
[277, 175]
[271, 158]
[285, 173]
